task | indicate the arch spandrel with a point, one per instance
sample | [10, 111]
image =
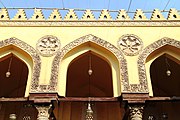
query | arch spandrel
[25, 49]
[97, 41]
[145, 54]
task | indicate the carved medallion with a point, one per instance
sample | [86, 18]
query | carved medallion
[130, 44]
[48, 45]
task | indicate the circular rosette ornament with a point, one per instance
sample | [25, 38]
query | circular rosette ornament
[48, 45]
[130, 44]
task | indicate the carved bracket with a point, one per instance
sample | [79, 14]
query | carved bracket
[44, 111]
[136, 112]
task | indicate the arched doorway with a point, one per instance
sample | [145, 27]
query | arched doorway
[13, 82]
[81, 84]
[14, 73]
[164, 72]
[165, 76]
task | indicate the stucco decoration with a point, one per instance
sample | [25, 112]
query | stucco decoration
[55, 15]
[105, 15]
[48, 45]
[88, 15]
[143, 56]
[173, 14]
[4, 15]
[157, 15]
[130, 44]
[20, 15]
[71, 15]
[91, 38]
[35, 57]
[38, 15]
[122, 15]
[139, 15]
[95, 23]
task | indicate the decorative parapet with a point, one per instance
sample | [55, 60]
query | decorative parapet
[55, 15]
[71, 15]
[173, 14]
[20, 15]
[122, 15]
[105, 15]
[88, 15]
[38, 15]
[157, 15]
[4, 14]
[139, 15]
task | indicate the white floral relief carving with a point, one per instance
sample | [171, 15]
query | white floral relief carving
[130, 44]
[48, 45]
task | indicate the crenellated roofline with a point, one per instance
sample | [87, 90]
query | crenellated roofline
[88, 15]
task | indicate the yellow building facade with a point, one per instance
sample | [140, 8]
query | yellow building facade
[109, 64]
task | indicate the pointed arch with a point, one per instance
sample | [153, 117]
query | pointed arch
[164, 75]
[99, 42]
[20, 48]
[143, 58]
[15, 74]
[78, 82]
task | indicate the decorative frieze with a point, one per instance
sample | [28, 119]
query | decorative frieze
[80, 23]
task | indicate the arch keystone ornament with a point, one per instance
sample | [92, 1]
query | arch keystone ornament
[130, 44]
[48, 45]
[91, 38]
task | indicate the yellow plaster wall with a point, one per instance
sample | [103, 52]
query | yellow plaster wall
[31, 35]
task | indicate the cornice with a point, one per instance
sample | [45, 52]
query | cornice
[89, 23]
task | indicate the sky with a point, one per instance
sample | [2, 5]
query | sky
[131, 5]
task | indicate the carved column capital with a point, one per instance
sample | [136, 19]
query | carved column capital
[44, 111]
[136, 112]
